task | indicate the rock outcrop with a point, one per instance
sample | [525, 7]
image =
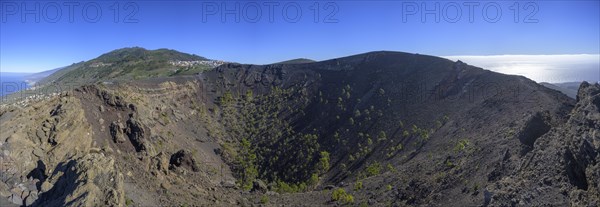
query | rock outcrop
[91, 180]
[563, 167]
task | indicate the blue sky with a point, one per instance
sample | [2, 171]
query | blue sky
[542, 28]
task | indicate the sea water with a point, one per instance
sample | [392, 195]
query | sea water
[12, 83]
[541, 68]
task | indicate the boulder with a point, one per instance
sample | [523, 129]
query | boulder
[136, 133]
[160, 163]
[16, 199]
[116, 131]
[259, 186]
[33, 196]
[183, 158]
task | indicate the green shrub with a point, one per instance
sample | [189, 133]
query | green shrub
[349, 199]
[415, 129]
[283, 187]
[475, 186]
[399, 146]
[340, 194]
[381, 136]
[461, 145]
[356, 113]
[373, 169]
[246, 161]
[358, 185]
[128, 201]
[449, 164]
[264, 199]
[314, 179]
[249, 95]
[390, 167]
[226, 99]
[336, 136]
[424, 134]
[324, 161]
[337, 194]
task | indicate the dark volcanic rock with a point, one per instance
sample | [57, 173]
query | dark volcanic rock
[536, 126]
[87, 181]
[564, 168]
[136, 133]
[183, 158]
[259, 186]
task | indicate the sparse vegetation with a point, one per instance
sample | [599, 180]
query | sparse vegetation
[340, 195]
[358, 185]
[128, 201]
[373, 169]
[324, 162]
[264, 199]
[247, 162]
[382, 136]
[461, 145]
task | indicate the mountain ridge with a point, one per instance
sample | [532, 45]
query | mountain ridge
[379, 128]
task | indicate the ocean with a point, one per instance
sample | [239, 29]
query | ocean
[12, 82]
[541, 68]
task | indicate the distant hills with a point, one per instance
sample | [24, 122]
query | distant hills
[139, 63]
[34, 78]
[296, 61]
[119, 65]
[131, 64]
[569, 88]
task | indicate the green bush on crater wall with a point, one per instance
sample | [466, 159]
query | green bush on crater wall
[324, 161]
[373, 169]
[461, 145]
[260, 122]
[340, 194]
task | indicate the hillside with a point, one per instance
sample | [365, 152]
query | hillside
[124, 64]
[130, 64]
[34, 78]
[378, 129]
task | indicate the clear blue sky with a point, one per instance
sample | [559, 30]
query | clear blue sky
[563, 27]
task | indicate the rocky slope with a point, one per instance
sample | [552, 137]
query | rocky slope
[379, 129]
[563, 167]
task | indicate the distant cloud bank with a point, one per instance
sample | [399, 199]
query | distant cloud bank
[540, 68]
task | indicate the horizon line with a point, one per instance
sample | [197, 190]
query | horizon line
[319, 60]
